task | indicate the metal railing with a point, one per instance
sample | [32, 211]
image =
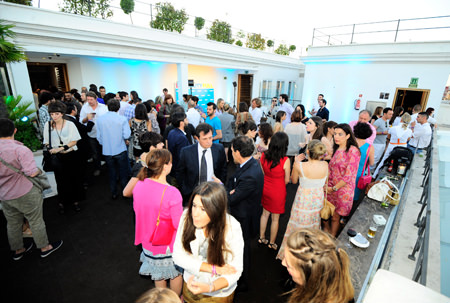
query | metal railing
[383, 31]
[423, 222]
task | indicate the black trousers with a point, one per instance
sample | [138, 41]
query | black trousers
[69, 178]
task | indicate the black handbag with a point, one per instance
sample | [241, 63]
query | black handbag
[49, 161]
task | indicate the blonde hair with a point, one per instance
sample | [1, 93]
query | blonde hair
[159, 295]
[406, 118]
[323, 267]
[316, 149]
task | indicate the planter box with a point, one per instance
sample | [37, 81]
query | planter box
[50, 175]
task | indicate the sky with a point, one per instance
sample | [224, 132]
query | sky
[293, 21]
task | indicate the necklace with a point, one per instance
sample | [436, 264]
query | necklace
[59, 134]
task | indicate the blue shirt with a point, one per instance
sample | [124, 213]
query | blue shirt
[216, 125]
[112, 131]
[288, 109]
[129, 111]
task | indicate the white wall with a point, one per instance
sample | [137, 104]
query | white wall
[342, 73]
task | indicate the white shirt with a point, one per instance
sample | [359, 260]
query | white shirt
[413, 119]
[399, 135]
[100, 110]
[256, 114]
[68, 133]
[193, 116]
[209, 162]
[123, 107]
[396, 121]
[192, 262]
[421, 136]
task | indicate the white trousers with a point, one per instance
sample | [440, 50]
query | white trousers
[378, 153]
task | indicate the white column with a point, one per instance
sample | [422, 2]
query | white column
[20, 81]
[182, 78]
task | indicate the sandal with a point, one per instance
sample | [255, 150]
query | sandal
[273, 246]
[263, 241]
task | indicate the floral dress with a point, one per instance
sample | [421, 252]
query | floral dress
[343, 166]
[305, 211]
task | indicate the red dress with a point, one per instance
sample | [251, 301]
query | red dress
[274, 192]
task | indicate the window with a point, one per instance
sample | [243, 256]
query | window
[280, 88]
[266, 90]
[291, 90]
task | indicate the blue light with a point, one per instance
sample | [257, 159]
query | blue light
[24, 119]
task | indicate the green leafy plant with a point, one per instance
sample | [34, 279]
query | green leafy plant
[220, 31]
[255, 41]
[127, 6]
[19, 113]
[199, 22]
[23, 2]
[168, 18]
[270, 43]
[282, 50]
[240, 34]
[96, 8]
[9, 52]
[239, 43]
[292, 48]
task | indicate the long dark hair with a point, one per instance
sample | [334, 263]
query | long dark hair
[140, 112]
[214, 200]
[318, 134]
[398, 110]
[278, 147]
[279, 115]
[265, 129]
[351, 141]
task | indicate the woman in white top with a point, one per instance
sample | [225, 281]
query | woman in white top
[211, 268]
[296, 132]
[67, 163]
[399, 136]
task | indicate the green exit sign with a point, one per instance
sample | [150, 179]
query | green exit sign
[414, 82]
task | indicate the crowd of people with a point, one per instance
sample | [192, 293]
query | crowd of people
[194, 220]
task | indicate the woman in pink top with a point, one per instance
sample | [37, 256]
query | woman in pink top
[343, 169]
[150, 193]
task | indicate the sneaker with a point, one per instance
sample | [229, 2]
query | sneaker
[17, 257]
[55, 246]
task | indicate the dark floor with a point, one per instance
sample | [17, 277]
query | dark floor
[99, 263]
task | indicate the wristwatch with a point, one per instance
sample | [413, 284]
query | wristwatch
[335, 188]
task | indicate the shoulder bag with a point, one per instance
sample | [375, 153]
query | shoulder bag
[384, 189]
[328, 208]
[364, 180]
[162, 235]
[49, 161]
[40, 181]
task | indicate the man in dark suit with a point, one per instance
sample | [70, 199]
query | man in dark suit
[190, 171]
[244, 190]
[84, 147]
[176, 139]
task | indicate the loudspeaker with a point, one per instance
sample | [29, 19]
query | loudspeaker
[234, 84]
[190, 82]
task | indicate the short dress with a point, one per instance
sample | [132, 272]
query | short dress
[343, 166]
[137, 128]
[305, 212]
[274, 191]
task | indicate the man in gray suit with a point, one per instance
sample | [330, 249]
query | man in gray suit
[228, 126]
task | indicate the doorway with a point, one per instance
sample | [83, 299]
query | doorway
[245, 89]
[48, 76]
[408, 97]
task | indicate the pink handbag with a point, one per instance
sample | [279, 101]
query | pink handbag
[162, 235]
[365, 180]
